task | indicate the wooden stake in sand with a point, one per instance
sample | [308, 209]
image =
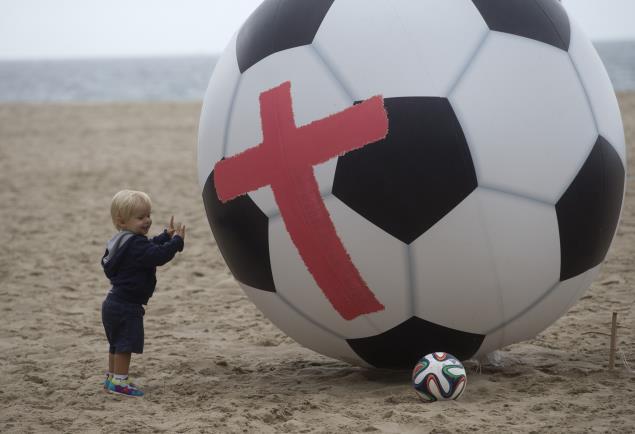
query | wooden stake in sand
[613, 341]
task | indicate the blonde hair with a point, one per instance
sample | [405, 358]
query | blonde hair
[125, 203]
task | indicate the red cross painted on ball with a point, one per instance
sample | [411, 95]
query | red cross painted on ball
[284, 161]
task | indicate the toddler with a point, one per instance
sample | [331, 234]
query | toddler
[130, 263]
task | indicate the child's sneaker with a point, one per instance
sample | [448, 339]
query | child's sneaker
[107, 381]
[124, 387]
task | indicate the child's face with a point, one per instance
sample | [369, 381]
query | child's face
[139, 223]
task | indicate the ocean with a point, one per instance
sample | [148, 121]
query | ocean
[178, 78]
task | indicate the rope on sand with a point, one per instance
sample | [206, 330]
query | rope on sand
[627, 365]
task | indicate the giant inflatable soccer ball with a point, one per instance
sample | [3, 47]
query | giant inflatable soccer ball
[391, 178]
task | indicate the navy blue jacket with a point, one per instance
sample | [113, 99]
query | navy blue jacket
[130, 263]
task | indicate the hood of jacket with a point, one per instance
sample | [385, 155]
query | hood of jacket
[115, 248]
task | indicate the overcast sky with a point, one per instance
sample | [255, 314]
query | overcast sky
[115, 28]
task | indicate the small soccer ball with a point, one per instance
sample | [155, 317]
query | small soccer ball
[439, 377]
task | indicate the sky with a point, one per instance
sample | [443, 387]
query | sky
[31, 29]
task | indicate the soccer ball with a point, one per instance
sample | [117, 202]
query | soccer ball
[378, 173]
[439, 377]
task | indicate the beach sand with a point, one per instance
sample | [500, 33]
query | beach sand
[212, 362]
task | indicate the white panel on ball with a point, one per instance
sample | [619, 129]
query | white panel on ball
[551, 306]
[599, 89]
[525, 244]
[315, 93]
[298, 328]
[585, 279]
[444, 35]
[400, 48]
[525, 116]
[387, 274]
[217, 108]
[494, 254]
[295, 283]
[455, 272]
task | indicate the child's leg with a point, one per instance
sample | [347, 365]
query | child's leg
[111, 363]
[120, 383]
[121, 363]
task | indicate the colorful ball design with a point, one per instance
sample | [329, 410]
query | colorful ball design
[439, 377]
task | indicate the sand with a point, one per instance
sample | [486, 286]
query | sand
[213, 363]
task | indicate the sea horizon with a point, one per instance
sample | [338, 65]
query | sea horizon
[178, 77]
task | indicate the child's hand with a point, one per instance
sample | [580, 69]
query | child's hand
[180, 231]
[170, 229]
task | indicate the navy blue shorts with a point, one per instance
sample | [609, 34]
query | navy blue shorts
[123, 323]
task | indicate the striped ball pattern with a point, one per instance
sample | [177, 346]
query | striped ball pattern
[439, 377]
